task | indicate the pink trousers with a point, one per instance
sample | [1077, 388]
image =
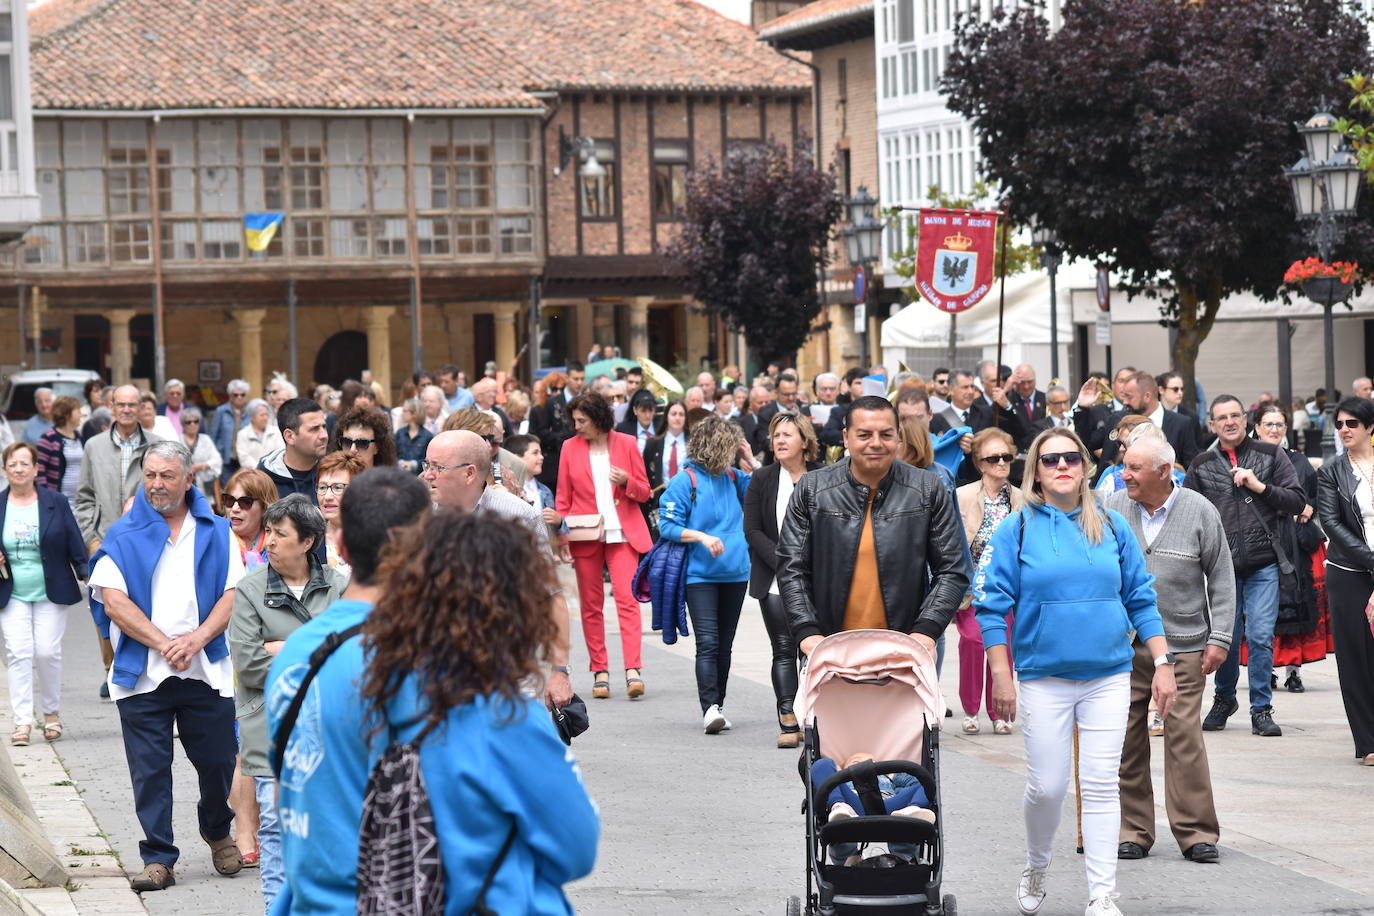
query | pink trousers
[589, 558]
[975, 677]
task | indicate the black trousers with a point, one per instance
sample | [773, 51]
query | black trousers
[714, 608]
[1347, 593]
[205, 721]
[784, 655]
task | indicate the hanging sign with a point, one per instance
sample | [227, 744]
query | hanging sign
[954, 260]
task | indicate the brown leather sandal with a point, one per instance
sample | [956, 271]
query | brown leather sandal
[634, 686]
[601, 685]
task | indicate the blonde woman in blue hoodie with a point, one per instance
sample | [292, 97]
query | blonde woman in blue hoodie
[1080, 594]
[704, 506]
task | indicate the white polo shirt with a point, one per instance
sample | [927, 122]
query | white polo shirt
[175, 612]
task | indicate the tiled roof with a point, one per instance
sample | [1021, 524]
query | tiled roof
[817, 15]
[170, 54]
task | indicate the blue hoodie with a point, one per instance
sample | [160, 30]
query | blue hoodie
[719, 511]
[482, 773]
[1075, 602]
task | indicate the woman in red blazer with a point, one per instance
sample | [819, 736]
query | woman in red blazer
[601, 472]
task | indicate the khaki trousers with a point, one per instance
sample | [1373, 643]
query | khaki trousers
[1187, 778]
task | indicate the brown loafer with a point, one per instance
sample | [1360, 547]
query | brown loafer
[154, 877]
[225, 854]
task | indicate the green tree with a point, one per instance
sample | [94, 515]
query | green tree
[1153, 137]
[754, 239]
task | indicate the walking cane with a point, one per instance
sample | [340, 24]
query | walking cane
[1077, 790]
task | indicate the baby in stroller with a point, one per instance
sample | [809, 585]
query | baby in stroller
[903, 795]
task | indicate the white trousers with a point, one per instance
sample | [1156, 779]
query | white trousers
[1049, 708]
[33, 642]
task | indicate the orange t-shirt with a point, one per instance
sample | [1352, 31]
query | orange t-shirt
[865, 610]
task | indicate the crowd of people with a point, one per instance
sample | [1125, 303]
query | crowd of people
[227, 566]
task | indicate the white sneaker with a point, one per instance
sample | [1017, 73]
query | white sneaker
[840, 810]
[1030, 890]
[1104, 906]
[714, 721]
[970, 725]
[728, 724]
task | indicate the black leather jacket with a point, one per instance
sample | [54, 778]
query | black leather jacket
[1341, 517]
[1240, 508]
[917, 535]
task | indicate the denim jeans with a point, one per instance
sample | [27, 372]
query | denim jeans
[714, 608]
[269, 840]
[907, 790]
[1257, 607]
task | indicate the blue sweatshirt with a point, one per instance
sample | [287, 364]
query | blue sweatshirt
[719, 511]
[1075, 602]
[482, 773]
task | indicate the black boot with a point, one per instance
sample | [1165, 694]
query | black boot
[1221, 710]
[1293, 683]
[1262, 723]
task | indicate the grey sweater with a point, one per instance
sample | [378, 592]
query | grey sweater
[1191, 563]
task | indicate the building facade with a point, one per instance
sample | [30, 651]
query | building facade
[436, 197]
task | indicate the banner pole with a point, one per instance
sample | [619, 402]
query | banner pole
[1001, 310]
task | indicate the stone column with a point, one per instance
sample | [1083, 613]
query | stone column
[377, 323]
[506, 314]
[639, 327]
[250, 348]
[121, 347]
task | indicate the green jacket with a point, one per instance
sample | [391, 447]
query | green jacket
[265, 611]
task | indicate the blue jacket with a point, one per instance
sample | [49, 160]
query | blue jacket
[223, 431]
[482, 772]
[59, 545]
[1075, 602]
[719, 511]
[135, 544]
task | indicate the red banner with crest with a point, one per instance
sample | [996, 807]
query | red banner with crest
[954, 257]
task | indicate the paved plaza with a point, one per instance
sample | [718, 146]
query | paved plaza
[712, 825]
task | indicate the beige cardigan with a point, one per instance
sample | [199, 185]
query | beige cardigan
[970, 499]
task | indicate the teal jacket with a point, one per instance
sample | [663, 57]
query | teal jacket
[1076, 603]
[717, 510]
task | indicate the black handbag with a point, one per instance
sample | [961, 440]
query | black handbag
[571, 720]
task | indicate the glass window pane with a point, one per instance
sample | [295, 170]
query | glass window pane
[472, 235]
[348, 238]
[219, 189]
[348, 164]
[670, 151]
[49, 193]
[517, 234]
[472, 131]
[388, 140]
[261, 142]
[86, 243]
[85, 192]
[390, 237]
[513, 140]
[430, 133]
[433, 237]
[389, 187]
[177, 189]
[221, 241]
[43, 245]
[178, 241]
[131, 242]
[307, 238]
[514, 186]
[6, 87]
[46, 144]
[83, 144]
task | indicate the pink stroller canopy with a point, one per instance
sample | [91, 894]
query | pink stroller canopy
[871, 691]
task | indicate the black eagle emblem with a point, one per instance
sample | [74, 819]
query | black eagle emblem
[953, 269]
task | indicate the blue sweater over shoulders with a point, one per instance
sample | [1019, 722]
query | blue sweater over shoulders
[1076, 603]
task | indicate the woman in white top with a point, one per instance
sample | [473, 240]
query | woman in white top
[795, 447]
[258, 437]
[206, 462]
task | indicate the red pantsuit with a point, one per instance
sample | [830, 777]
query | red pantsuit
[577, 496]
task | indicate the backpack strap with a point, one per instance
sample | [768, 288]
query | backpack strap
[317, 660]
[480, 908]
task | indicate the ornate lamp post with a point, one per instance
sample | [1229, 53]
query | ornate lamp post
[1047, 240]
[863, 243]
[1326, 187]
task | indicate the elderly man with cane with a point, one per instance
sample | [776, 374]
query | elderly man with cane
[1185, 549]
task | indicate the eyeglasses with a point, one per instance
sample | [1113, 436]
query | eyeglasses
[189, 422]
[441, 468]
[1349, 423]
[554, 389]
[1063, 403]
[1282, 425]
[243, 502]
[361, 445]
[1051, 460]
[1173, 387]
[1003, 458]
[336, 488]
[238, 394]
[126, 405]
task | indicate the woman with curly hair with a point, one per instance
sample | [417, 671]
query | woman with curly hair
[457, 636]
[602, 475]
[704, 506]
[365, 432]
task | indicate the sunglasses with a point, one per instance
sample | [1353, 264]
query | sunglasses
[1003, 458]
[555, 389]
[1050, 460]
[243, 502]
[1349, 423]
[361, 445]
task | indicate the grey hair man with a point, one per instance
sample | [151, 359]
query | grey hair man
[229, 418]
[1185, 548]
[1362, 387]
[41, 421]
[173, 402]
[167, 620]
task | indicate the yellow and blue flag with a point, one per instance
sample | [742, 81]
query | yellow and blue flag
[259, 229]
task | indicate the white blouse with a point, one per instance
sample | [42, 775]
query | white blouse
[785, 488]
[605, 501]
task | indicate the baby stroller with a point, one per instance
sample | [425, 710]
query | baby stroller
[875, 692]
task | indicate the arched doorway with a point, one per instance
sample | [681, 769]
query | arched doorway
[342, 356]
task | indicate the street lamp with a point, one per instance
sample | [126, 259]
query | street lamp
[583, 148]
[1326, 186]
[863, 241]
[1047, 240]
